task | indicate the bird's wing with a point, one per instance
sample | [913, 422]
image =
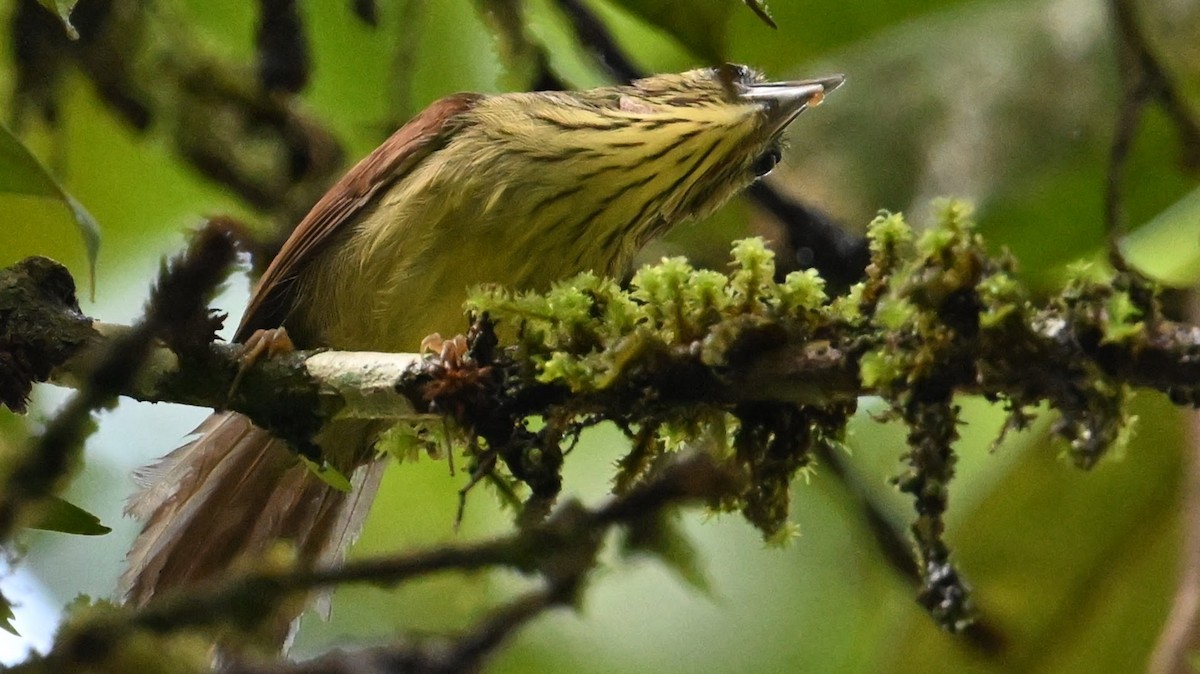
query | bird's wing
[273, 296]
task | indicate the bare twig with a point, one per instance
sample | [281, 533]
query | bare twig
[1180, 636]
[595, 37]
[465, 652]
[524, 55]
[284, 63]
[561, 551]
[1144, 80]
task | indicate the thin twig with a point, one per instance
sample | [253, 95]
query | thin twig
[1180, 636]
[465, 652]
[561, 550]
[1144, 80]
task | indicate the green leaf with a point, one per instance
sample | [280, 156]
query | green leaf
[700, 26]
[62, 9]
[1168, 247]
[67, 518]
[21, 173]
[328, 474]
[664, 538]
[7, 616]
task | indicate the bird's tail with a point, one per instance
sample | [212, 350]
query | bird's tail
[229, 495]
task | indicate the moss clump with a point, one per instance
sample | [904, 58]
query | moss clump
[658, 342]
[936, 314]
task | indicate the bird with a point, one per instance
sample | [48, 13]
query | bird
[518, 189]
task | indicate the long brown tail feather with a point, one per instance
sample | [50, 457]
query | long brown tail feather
[231, 493]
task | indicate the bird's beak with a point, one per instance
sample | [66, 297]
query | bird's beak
[783, 101]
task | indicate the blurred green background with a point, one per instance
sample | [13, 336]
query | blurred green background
[1008, 103]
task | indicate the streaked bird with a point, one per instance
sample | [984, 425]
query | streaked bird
[518, 189]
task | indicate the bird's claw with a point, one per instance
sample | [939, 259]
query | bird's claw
[269, 343]
[449, 351]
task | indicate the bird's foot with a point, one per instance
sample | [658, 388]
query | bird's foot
[262, 343]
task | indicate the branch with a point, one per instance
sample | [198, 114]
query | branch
[1180, 635]
[561, 551]
[37, 298]
[375, 385]
[683, 354]
[335, 384]
[1144, 80]
[462, 653]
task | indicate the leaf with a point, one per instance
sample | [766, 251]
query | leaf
[7, 616]
[68, 518]
[62, 9]
[21, 173]
[699, 27]
[663, 538]
[328, 474]
[1168, 247]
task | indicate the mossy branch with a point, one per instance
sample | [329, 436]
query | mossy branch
[756, 373]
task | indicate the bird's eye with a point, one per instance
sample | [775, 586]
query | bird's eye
[766, 161]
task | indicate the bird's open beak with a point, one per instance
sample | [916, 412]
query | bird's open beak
[783, 101]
